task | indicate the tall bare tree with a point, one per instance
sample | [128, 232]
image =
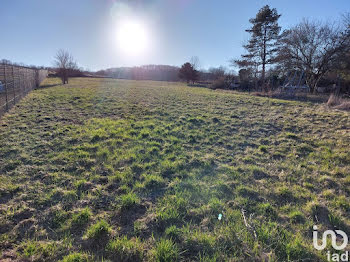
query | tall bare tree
[65, 64]
[261, 48]
[217, 72]
[314, 48]
[195, 62]
[345, 57]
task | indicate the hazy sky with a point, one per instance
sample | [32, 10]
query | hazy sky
[33, 30]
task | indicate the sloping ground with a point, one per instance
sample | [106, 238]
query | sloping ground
[127, 171]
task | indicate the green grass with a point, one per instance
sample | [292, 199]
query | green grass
[98, 230]
[166, 251]
[124, 249]
[76, 257]
[81, 218]
[129, 200]
[160, 161]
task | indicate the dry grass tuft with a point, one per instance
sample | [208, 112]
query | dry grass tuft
[333, 100]
[337, 102]
[345, 105]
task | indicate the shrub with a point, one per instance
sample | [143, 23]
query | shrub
[218, 84]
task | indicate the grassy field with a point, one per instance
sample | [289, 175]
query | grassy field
[113, 170]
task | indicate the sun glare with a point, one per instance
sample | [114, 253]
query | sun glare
[132, 37]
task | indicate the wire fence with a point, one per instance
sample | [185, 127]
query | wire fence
[16, 82]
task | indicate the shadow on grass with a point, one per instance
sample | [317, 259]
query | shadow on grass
[318, 99]
[47, 86]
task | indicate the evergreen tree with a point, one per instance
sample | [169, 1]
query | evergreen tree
[261, 47]
[188, 73]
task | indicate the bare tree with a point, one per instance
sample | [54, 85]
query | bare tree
[230, 79]
[6, 62]
[65, 64]
[196, 64]
[345, 56]
[217, 72]
[346, 21]
[314, 48]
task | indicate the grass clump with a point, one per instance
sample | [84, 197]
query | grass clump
[291, 135]
[267, 210]
[171, 210]
[81, 218]
[154, 181]
[335, 101]
[39, 251]
[200, 243]
[296, 216]
[263, 148]
[58, 218]
[173, 232]
[166, 251]
[129, 201]
[100, 229]
[285, 194]
[76, 257]
[343, 203]
[124, 249]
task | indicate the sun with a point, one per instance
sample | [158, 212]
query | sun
[132, 37]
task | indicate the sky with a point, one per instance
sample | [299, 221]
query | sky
[152, 31]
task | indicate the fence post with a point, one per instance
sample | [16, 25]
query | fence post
[21, 79]
[17, 77]
[22, 82]
[14, 88]
[5, 84]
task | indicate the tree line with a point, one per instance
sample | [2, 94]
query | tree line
[319, 51]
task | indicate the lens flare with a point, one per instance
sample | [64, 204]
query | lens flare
[132, 37]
